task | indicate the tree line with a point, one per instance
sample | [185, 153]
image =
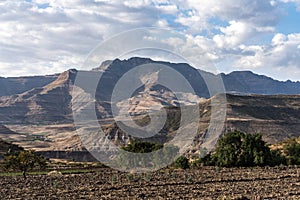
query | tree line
[238, 149]
[234, 149]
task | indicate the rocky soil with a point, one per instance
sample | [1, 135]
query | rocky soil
[205, 183]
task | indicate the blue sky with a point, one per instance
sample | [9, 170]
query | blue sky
[50, 36]
[290, 21]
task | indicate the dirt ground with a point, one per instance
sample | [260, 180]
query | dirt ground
[204, 183]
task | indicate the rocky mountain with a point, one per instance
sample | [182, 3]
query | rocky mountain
[48, 99]
[40, 105]
[255, 104]
[276, 117]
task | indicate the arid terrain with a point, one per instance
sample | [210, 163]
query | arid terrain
[41, 113]
[204, 183]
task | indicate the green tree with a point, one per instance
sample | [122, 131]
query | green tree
[24, 161]
[237, 149]
[229, 149]
[292, 151]
[254, 152]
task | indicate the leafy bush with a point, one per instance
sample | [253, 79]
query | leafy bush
[182, 162]
[292, 151]
[237, 149]
[276, 158]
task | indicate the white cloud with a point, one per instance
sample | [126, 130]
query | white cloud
[238, 32]
[258, 13]
[278, 39]
[233, 34]
[279, 60]
[47, 36]
[32, 34]
[297, 2]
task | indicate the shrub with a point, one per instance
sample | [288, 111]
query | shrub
[182, 162]
[237, 149]
[276, 158]
[292, 151]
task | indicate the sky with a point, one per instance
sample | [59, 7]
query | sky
[49, 36]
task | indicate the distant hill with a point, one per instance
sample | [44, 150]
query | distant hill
[17, 85]
[255, 103]
[249, 83]
[235, 82]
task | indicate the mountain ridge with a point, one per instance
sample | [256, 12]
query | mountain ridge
[52, 102]
[233, 81]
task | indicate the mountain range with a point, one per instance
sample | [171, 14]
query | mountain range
[36, 112]
[47, 99]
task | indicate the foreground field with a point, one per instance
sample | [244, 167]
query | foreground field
[206, 183]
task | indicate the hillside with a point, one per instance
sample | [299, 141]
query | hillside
[47, 104]
[17, 85]
[277, 117]
[249, 83]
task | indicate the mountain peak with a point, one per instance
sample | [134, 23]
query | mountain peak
[134, 61]
[66, 77]
[104, 65]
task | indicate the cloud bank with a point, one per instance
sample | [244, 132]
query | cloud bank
[50, 36]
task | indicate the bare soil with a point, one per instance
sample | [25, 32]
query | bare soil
[204, 183]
